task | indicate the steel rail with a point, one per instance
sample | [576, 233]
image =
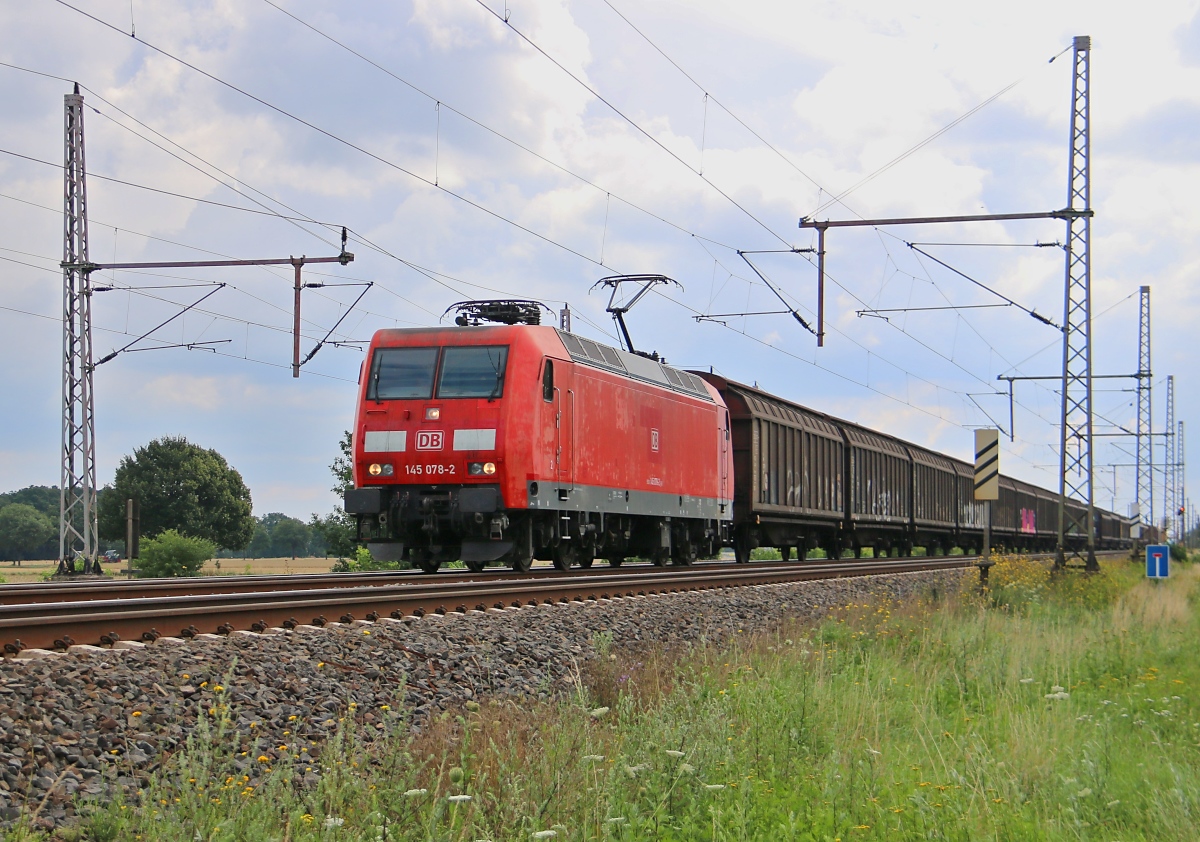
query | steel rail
[95, 621]
[92, 589]
[88, 589]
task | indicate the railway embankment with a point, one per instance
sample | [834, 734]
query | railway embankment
[80, 731]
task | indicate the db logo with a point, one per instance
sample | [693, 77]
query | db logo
[430, 439]
[654, 440]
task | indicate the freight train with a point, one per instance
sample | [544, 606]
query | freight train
[513, 442]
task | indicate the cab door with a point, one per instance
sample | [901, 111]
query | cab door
[564, 399]
[558, 411]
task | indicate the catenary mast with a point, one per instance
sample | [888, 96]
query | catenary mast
[1075, 451]
[77, 523]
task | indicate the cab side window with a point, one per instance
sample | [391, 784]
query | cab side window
[548, 381]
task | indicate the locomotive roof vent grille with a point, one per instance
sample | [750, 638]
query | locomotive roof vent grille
[632, 365]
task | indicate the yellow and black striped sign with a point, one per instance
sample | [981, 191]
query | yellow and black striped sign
[987, 464]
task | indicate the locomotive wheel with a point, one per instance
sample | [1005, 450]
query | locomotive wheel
[475, 566]
[563, 556]
[425, 561]
[585, 560]
[520, 562]
[685, 554]
[616, 561]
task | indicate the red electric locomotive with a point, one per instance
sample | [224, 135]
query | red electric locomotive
[519, 441]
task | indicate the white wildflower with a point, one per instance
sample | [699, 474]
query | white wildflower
[1113, 803]
[1026, 680]
[874, 752]
[673, 753]
[413, 793]
[458, 799]
[1083, 793]
[616, 820]
[686, 768]
[593, 758]
[545, 834]
[1058, 688]
[1058, 694]
[334, 821]
[714, 787]
[597, 713]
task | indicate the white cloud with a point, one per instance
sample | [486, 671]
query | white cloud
[840, 89]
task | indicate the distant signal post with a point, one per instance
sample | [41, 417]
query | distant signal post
[987, 486]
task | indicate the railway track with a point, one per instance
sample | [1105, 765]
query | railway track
[111, 613]
[114, 589]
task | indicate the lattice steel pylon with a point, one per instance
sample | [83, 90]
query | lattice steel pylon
[77, 524]
[1168, 519]
[1180, 487]
[1145, 418]
[1075, 441]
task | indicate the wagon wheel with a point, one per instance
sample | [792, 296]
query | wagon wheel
[616, 561]
[741, 550]
[660, 557]
[586, 559]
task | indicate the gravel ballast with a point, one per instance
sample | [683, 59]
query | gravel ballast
[85, 725]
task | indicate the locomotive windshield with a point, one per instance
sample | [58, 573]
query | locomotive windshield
[409, 373]
[472, 372]
[402, 373]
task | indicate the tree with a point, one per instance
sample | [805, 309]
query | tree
[338, 529]
[260, 544]
[180, 486]
[172, 554]
[290, 537]
[343, 466]
[44, 498]
[23, 529]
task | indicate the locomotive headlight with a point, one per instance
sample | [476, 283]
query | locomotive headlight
[477, 469]
[489, 468]
[432, 413]
[377, 469]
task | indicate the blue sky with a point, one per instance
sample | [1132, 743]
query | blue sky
[543, 186]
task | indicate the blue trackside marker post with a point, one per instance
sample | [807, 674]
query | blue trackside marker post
[1158, 561]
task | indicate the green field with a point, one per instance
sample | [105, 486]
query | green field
[1043, 709]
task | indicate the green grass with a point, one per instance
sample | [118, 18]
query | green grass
[1046, 708]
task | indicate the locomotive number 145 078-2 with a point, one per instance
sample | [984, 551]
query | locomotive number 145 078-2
[429, 470]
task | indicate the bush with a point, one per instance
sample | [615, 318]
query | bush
[1179, 552]
[172, 554]
[363, 562]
